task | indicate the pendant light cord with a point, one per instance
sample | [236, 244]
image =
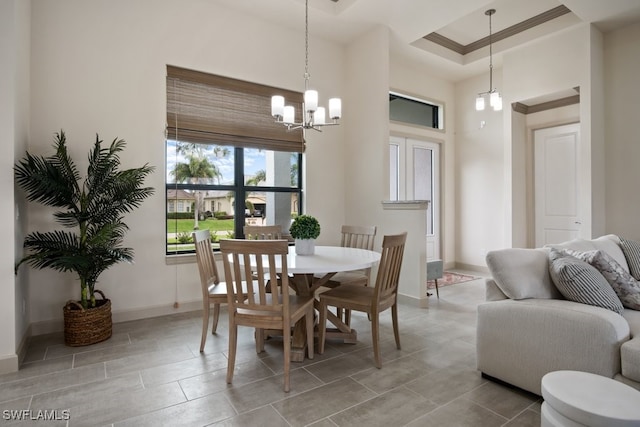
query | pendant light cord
[490, 12]
[306, 45]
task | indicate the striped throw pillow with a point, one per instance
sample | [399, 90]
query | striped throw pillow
[580, 282]
[624, 284]
[631, 251]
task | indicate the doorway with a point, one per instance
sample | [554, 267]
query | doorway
[415, 175]
[557, 189]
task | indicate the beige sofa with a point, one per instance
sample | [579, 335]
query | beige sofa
[527, 329]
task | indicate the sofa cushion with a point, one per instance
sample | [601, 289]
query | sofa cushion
[580, 282]
[623, 283]
[631, 251]
[609, 243]
[630, 350]
[522, 273]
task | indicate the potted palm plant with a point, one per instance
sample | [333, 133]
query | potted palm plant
[305, 229]
[91, 212]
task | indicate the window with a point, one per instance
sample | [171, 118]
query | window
[227, 163]
[407, 109]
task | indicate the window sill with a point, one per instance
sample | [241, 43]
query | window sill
[180, 259]
[405, 204]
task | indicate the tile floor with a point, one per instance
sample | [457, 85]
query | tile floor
[150, 373]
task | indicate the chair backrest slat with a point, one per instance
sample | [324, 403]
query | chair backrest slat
[206, 261]
[262, 232]
[358, 236]
[389, 267]
[255, 261]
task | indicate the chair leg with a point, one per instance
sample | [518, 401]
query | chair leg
[259, 337]
[309, 322]
[216, 315]
[322, 325]
[347, 317]
[233, 342]
[286, 338]
[375, 337]
[205, 325]
[394, 319]
[437, 291]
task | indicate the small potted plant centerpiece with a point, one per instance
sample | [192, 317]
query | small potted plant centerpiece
[305, 229]
[91, 214]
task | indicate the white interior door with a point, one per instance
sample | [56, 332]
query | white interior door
[415, 172]
[557, 185]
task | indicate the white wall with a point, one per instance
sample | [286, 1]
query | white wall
[622, 116]
[100, 67]
[481, 192]
[14, 119]
[8, 357]
[367, 159]
[492, 162]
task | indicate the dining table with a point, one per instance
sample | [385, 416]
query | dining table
[307, 273]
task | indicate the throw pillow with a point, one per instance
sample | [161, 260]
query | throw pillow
[631, 252]
[580, 282]
[522, 273]
[624, 284]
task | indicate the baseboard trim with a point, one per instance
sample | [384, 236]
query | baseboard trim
[422, 302]
[9, 363]
[471, 267]
[57, 325]
[24, 345]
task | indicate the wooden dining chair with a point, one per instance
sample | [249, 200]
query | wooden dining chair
[213, 291]
[262, 232]
[354, 236]
[370, 299]
[261, 309]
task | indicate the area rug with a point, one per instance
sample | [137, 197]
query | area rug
[449, 278]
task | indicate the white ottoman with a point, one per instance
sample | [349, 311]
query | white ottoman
[573, 399]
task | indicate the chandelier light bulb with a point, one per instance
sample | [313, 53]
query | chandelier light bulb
[497, 105]
[335, 108]
[277, 106]
[289, 114]
[479, 103]
[319, 116]
[493, 99]
[311, 100]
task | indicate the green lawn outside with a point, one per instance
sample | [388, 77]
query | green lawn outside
[186, 225]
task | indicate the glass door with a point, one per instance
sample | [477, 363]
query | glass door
[414, 175]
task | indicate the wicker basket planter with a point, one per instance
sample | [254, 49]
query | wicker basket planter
[87, 326]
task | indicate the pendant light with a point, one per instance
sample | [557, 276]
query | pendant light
[495, 100]
[313, 116]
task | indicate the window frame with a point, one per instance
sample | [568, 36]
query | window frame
[239, 188]
[437, 111]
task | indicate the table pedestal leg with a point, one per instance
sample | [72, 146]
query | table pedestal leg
[305, 285]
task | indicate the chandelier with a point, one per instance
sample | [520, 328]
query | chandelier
[495, 100]
[313, 116]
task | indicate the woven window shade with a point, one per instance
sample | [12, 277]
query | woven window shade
[210, 109]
